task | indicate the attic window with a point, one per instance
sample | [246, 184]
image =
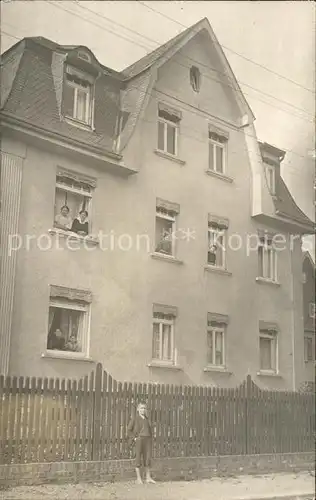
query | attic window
[83, 55]
[195, 78]
[78, 96]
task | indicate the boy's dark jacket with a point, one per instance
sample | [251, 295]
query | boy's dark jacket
[135, 426]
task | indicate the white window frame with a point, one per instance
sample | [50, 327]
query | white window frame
[171, 218]
[270, 174]
[307, 339]
[171, 323]
[212, 229]
[312, 310]
[223, 146]
[168, 123]
[89, 96]
[213, 330]
[268, 252]
[85, 326]
[274, 337]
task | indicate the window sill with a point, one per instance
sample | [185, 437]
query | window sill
[263, 373]
[165, 257]
[223, 177]
[67, 356]
[169, 156]
[81, 125]
[161, 364]
[93, 240]
[220, 270]
[266, 281]
[217, 369]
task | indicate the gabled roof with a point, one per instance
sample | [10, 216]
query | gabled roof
[160, 55]
[149, 59]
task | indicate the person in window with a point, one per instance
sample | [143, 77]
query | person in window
[72, 344]
[57, 340]
[212, 255]
[63, 220]
[80, 224]
[139, 432]
[165, 244]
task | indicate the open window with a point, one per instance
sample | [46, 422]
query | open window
[166, 214]
[73, 200]
[68, 321]
[217, 229]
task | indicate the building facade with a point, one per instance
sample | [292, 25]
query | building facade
[309, 318]
[143, 225]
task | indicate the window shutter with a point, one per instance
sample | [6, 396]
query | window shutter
[68, 100]
[106, 109]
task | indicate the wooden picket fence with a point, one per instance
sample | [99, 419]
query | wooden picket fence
[47, 420]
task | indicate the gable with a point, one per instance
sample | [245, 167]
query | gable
[216, 95]
[160, 56]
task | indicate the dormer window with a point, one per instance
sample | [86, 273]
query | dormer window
[83, 55]
[78, 96]
[270, 175]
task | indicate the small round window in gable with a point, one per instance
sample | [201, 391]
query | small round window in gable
[83, 55]
[195, 78]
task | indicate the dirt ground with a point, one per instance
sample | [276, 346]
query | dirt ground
[237, 488]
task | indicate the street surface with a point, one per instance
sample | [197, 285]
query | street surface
[272, 486]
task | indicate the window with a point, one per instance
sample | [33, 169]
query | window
[195, 78]
[308, 348]
[216, 245]
[78, 96]
[68, 320]
[217, 152]
[166, 213]
[270, 174]
[73, 195]
[168, 129]
[163, 337]
[267, 259]
[304, 278]
[268, 351]
[312, 311]
[216, 344]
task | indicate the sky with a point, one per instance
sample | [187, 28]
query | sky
[269, 45]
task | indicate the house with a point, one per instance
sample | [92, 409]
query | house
[309, 317]
[144, 226]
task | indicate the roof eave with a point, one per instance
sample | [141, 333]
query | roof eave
[305, 227]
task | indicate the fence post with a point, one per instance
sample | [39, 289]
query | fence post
[248, 413]
[97, 413]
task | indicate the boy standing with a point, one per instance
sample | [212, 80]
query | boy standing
[139, 430]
